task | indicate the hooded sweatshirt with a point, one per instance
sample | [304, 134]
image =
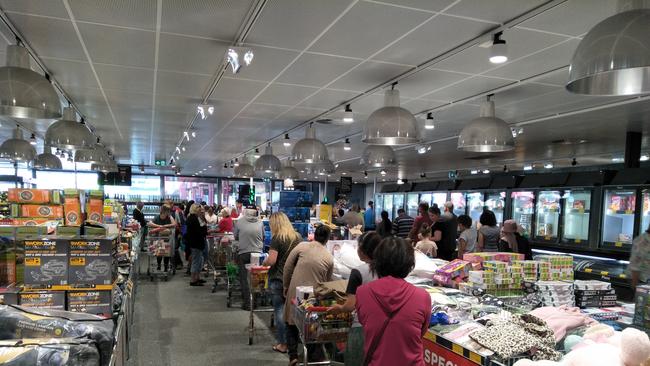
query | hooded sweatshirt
[401, 342]
[249, 233]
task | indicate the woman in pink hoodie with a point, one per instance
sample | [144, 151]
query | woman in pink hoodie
[394, 314]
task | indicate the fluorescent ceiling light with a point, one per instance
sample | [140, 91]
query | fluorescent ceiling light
[644, 157]
[486, 171]
[400, 181]
[528, 167]
[421, 149]
[548, 165]
[474, 171]
[617, 160]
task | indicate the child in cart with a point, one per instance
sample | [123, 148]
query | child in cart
[158, 226]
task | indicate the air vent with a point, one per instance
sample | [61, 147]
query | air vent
[481, 157]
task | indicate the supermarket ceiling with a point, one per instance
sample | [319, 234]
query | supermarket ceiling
[138, 69]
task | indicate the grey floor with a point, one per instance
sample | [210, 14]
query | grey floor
[176, 324]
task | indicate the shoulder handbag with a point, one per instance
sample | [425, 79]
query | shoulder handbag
[375, 341]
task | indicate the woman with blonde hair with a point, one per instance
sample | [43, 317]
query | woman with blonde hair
[195, 240]
[283, 239]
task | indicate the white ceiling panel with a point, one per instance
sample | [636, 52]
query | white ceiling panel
[520, 43]
[295, 23]
[51, 37]
[267, 63]
[421, 45]
[125, 13]
[87, 96]
[125, 78]
[368, 75]
[190, 55]
[573, 17]
[236, 89]
[173, 83]
[558, 77]
[263, 111]
[301, 114]
[118, 46]
[419, 105]
[285, 94]
[426, 81]
[428, 5]
[471, 86]
[224, 111]
[218, 19]
[316, 70]
[72, 74]
[546, 60]
[522, 92]
[497, 11]
[39, 7]
[351, 36]
[121, 99]
[327, 98]
[176, 103]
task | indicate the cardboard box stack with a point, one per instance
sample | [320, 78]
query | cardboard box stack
[72, 207]
[497, 278]
[596, 294]
[35, 206]
[452, 273]
[560, 267]
[95, 206]
[477, 259]
[556, 293]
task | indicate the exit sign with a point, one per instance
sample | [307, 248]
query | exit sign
[161, 162]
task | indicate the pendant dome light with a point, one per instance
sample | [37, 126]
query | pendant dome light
[324, 168]
[391, 125]
[69, 134]
[96, 155]
[310, 150]
[47, 160]
[289, 172]
[486, 133]
[378, 156]
[25, 93]
[613, 58]
[268, 164]
[244, 169]
[104, 168]
[17, 148]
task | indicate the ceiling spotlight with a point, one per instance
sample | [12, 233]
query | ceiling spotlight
[347, 146]
[499, 49]
[225, 165]
[287, 140]
[617, 160]
[428, 122]
[423, 175]
[194, 132]
[365, 174]
[348, 116]
[473, 171]
[238, 57]
[209, 166]
[644, 157]
[548, 165]
[178, 149]
[516, 131]
[574, 162]
[400, 181]
[183, 148]
[32, 139]
[383, 172]
[186, 135]
[528, 167]
[70, 158]
[486, 171]
[421, 149]
[505, 168]
[204, 110]
[344, 173]
[236, 162]
[257, 153]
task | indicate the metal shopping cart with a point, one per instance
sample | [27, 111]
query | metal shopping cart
[220, 253]
[160, 244]
[260, 296]
[317, 327]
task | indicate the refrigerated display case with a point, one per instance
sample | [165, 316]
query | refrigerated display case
[458, 199]
[475, 205]
[388, 205]
[547, 224]
[412, 202]
[618, 219]
[523, 209]
[496, 202]
[577, 211]
[426, 198]
[439, 198]
[645, 211]
[398, 202]
[379, 204]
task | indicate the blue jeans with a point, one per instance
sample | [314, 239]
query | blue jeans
[278, 310]
[197, 260]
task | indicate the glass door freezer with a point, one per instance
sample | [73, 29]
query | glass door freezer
[475, 205]
[438, 198]
[412, 203]
[458, 199]
[496, 202]
[577, 213]
[645, 211]
[547, 216]
[619, 214]
[523, 210]
[398, 202]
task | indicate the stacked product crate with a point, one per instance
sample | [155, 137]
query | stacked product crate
[35, 206]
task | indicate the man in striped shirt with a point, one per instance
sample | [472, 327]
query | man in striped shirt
[402, 224]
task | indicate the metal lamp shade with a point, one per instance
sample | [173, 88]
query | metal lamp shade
[310, 150]
[614, 57]
[377, 156]
[322, 168]
[104, 168]
[47, 160]
[245, 169]
[25, 93]
[486, 133]
[95, 156]
[289, 172]
[17, 149]
[268, 164]
[68, 134]
[391, 125]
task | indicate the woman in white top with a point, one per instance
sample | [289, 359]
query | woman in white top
[210, 217]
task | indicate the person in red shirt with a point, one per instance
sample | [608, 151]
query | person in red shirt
[225, 224]
[423, 218]
[394, 314]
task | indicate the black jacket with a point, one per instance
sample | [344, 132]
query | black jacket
[195, 235]
[139, 217]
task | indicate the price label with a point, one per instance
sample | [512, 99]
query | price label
[577, 241]
[622, 276]
[618, 244]
[629, 212]
[588, 270]
[547, 237]
[604, 273]
[581, 210]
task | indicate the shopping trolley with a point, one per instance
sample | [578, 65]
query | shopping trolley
[258, 277]
[317, 327]
[220, 253]
[160, 243]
